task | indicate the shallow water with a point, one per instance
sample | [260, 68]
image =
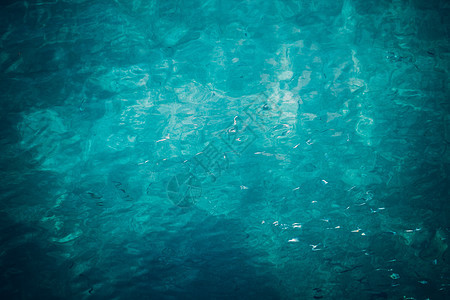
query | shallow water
[225, 149]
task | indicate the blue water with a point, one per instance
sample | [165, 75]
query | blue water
[225, 149]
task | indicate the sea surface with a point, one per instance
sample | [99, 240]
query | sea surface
[224, 149]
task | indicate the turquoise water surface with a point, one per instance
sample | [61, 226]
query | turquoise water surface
[224, 149]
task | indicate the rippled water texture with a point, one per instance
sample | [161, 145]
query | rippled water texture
[225, 149]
